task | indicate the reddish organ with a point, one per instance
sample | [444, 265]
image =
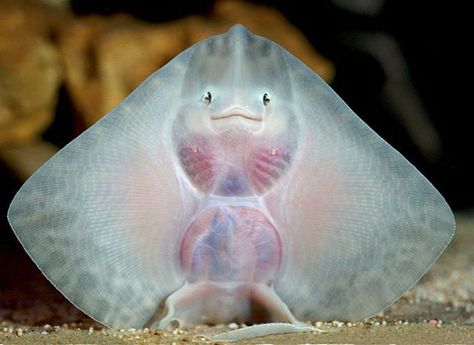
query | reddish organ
[237, 164]
[231, 243]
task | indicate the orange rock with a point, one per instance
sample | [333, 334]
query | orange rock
[105, 58]
[30, 74]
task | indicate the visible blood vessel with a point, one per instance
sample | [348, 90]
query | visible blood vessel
[199, 163]
[234, 166]
[267, 164]
[231, 244]
[231, 252]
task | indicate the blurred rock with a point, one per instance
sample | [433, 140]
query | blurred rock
[30, 73]
[25, 159]
[32, 15]
[105, 58]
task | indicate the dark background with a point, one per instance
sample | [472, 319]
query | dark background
[431, 42]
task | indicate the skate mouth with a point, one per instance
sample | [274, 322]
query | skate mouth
[237, 118]
[237, 112]
[243, 116]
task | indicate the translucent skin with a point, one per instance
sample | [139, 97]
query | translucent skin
[234, 144]
[236, 163]
[231, 244]
[232, 177]
[231, 252]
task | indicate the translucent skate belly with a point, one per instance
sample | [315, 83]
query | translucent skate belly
[231, 244]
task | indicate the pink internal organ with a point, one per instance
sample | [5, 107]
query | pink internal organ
[224, 172]
[267, 166]
[231, 244]
[199, 165]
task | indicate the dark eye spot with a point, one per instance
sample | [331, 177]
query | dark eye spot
[266, 99]
[207, 98]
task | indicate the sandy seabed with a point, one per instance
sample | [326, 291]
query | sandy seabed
[363, 333]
